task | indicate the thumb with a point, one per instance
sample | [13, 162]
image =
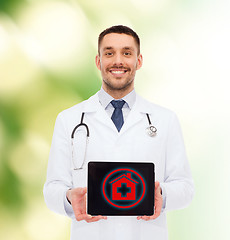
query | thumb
[78, 192]
[81, 191]
[157, 185]
[84, 190]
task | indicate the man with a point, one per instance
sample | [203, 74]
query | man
[118, 134]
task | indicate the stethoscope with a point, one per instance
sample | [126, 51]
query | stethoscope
[150, 130]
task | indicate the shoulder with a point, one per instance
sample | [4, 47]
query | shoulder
[162, 117]
[77, 109]
[152, 108]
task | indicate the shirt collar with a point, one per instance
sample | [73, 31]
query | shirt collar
[105, 98]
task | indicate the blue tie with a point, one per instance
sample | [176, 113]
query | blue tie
[117, 116]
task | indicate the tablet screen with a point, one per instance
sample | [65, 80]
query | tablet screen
[120, 188]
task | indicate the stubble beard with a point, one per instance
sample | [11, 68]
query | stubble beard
[112, 87]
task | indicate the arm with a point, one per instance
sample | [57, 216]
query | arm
[59, 179]
[178, 184]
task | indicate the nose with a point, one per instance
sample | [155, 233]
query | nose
[118, 60]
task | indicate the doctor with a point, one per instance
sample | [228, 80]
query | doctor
[118, 121]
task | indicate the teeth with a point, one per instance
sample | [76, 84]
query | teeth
[118, 72]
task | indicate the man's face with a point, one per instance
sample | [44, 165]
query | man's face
[118, 61]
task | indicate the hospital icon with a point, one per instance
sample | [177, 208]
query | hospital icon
[124, 187]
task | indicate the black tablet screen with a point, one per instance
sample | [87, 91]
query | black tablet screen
[120, 188]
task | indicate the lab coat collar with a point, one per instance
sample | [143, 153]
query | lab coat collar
[140, 108]
[93, 104]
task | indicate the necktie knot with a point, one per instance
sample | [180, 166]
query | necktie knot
[118, 103]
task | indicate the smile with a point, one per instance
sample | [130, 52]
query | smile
[117, 72]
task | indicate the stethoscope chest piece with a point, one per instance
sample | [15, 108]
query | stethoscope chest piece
[151, 131]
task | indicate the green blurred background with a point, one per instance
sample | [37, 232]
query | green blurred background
[47, 51]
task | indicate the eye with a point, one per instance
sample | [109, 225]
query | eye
[127, 53]
[108, 53]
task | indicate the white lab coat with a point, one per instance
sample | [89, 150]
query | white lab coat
[166, 150]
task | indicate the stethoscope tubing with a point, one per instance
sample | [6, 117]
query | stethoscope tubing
[151, 131]
[79, 125]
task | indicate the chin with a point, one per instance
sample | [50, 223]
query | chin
[118, 84]
[119, 87]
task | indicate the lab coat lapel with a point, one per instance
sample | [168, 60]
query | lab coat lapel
[93, 105]
[140, 108]
[134, 117]
[102, 116]
[137, 113]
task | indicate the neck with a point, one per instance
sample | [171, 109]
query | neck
[118, 94]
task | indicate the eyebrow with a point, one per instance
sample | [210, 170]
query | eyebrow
[129, 48]
[125, 48]
[107, 48]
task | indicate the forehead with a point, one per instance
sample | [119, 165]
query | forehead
[118, 41]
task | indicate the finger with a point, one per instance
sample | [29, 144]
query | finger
[143, 217]
[79, 204]
[89, 218]
[84, 190]
[157, 185]
[96, 218]
[78, 210]
[80, 217]
[80, 192]
[158, 202]
[157, 212]
[157, 188]
[146, 218]
[102, 217]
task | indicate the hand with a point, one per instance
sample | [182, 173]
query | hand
[158, 204]
[77, 198]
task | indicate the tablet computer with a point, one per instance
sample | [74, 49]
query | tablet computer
[120, 188]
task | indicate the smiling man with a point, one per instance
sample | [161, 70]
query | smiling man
[118, 118]
[118, 59]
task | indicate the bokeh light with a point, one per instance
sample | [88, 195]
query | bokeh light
[47, 52]
[54, 33]
[16, 68]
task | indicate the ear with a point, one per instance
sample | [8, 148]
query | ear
[139, 61]
[98, 62]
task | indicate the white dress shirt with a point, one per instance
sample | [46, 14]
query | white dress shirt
[105, 100]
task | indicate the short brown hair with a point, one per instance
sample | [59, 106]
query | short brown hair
[120, 29]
